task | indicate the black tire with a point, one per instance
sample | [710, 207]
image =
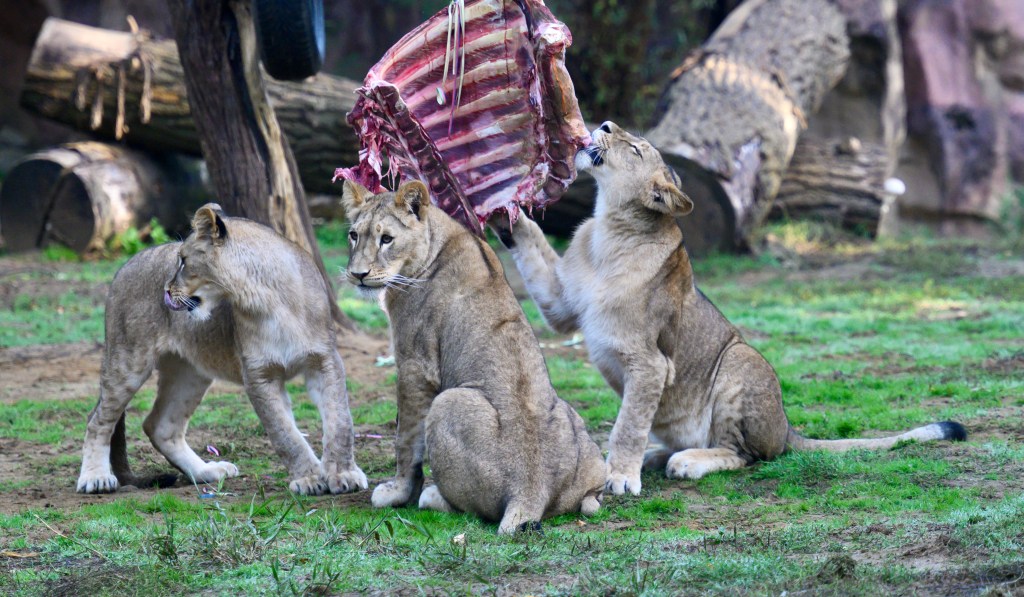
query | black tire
[290, 34]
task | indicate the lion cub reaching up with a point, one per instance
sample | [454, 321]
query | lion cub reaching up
[683, 371]
[473, 390]
[235, 301]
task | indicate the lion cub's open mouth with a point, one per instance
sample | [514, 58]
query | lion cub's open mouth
[177, 304]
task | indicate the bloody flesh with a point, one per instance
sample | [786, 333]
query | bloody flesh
[510, 139]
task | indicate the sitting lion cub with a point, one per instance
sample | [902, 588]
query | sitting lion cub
[234, 301]
[683, 371]
[473, 389]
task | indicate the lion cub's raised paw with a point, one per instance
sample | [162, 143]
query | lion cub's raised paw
[347, 481]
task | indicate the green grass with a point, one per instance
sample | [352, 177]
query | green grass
[918, 336]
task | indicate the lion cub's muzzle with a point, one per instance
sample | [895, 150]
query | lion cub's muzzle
[175, 303]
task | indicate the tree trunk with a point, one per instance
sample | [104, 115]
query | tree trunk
[850, 149]
[734, 109]
[84, 194]
[249, 159]
[76, 73]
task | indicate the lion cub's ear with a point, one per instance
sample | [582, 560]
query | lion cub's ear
[666, 192]
[353, 196]
[209, 223]
[412, 196]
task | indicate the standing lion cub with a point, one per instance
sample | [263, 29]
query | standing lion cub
[684, 373]
[473, 390]
[235, 301]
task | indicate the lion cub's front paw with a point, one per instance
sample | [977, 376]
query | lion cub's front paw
[97, 483]
[215, 472]
[309, 485]
[619, 483]
[346, 481]
[393, 493]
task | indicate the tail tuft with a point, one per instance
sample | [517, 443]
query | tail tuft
[953, 431]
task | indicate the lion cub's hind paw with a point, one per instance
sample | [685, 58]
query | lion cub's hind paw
[392, 493]
[347, 482]
[619, 484]
[590, 506]
[431, 499]
[215, 472]
[97, 484]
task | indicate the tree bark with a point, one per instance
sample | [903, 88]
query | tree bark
[76, 71]
[82, 195]
[734, 109]
[850, 148]
[249, 159]
[841, 181]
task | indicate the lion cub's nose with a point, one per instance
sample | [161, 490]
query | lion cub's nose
[606, 126]
[359, 275]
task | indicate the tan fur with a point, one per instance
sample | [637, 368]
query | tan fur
[685, 374]
[473, 390]
[261, 316]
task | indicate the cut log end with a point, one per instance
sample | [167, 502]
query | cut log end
[82, 195]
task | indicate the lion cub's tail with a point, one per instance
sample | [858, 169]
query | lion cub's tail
[123, 471]
[950, 430]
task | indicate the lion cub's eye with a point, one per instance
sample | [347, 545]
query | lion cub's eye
[636, 150]
[353, 235]
[385, 239]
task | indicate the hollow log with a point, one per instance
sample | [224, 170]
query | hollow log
[733, 110]
[127, 86]
[82, 195]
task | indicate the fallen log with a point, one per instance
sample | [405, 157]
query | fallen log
[735, 107]
[127, 86]
[82, 195]
[840, 181]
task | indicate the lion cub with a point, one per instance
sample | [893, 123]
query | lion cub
[234, 301]
[473, 390]
[684, 373]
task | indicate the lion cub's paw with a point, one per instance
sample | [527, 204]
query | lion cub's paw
[684, 466]
[431, 499]
[309, 485]
[103, 483]
[347, 481]
[393, 493]
[215, 472]
[619, 483]
[590, 505]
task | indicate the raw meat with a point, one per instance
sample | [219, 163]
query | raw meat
[509, 125]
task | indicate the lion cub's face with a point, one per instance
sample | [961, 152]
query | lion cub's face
[196, 285]
[627, 168]
[388, 236]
